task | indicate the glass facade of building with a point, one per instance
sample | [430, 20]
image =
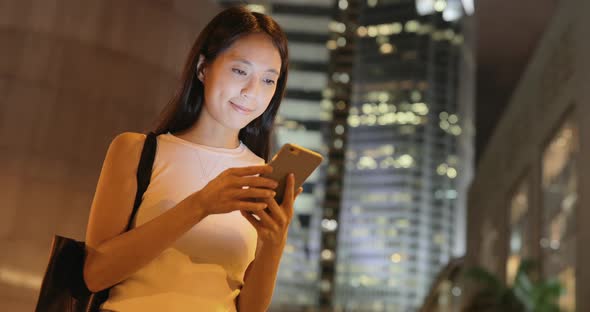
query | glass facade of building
[560, 197]
[399, 214]
[520, 216]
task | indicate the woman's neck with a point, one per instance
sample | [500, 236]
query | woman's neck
[214, 135]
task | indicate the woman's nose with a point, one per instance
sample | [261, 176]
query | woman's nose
[250, 88]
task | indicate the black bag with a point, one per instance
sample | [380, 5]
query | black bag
[63, 288]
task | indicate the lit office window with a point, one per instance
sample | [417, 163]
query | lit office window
[559, 204]
[518, 249]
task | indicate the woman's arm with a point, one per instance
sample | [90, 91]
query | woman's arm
[112, 253]
[259, 280]
[272, 229]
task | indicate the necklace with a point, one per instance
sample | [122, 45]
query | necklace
[207, 174]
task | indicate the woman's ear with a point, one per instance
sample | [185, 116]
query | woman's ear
[201, 68]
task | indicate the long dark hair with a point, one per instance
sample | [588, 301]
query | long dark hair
[223, 30]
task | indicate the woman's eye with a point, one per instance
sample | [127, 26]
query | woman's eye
[238, 71]
[269, 82]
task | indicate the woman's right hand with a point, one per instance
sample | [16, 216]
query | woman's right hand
[236, 189]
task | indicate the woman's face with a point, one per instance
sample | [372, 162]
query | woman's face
[241, 81]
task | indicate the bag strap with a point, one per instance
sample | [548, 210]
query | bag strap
[144, 172]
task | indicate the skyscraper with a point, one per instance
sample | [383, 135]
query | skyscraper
[400, 218]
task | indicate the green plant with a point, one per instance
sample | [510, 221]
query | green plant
[526, 294]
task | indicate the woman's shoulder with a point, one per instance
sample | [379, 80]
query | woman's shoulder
[128, 141]
[129, 138]
[126, 147]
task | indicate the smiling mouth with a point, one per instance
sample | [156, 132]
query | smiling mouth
[240, 108]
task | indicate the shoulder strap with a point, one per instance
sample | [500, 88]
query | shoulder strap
[144, 171]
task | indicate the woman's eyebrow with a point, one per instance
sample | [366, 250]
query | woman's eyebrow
[271, 70]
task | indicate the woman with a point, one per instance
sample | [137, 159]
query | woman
[194, 246]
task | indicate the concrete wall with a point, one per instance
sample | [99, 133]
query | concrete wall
[555, 83]
[73, 74]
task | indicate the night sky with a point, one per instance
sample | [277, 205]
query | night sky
[507, 34]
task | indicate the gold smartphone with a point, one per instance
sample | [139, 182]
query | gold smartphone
[294, 159]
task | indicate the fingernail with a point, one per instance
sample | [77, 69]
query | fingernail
[273, 194]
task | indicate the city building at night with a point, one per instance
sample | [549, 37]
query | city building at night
[528, 199]
[407, 159]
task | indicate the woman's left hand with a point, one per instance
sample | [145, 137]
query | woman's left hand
[274, 221]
